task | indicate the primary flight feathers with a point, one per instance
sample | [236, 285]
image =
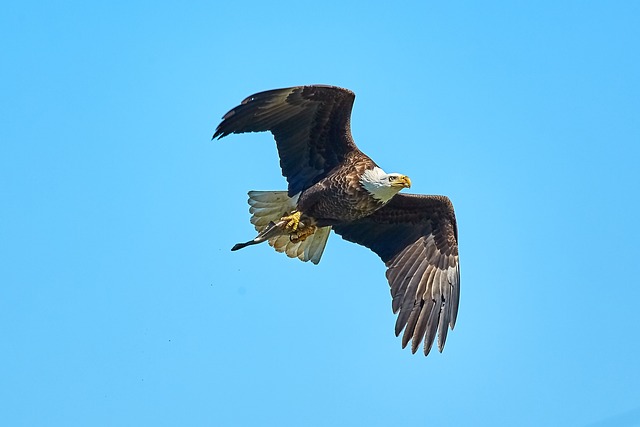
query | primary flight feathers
[333, 185]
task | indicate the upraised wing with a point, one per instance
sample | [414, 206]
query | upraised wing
[417, 238]
[311, 126]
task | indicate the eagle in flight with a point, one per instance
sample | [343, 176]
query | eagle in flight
[334, 185]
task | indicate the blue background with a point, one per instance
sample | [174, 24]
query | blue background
[121, 304]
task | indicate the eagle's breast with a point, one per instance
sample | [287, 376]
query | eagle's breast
[340, 196]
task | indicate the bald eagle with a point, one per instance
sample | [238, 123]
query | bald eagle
[334, 185]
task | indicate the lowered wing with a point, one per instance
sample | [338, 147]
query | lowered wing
[416, 237]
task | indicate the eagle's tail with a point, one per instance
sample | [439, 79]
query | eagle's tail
[267, 207]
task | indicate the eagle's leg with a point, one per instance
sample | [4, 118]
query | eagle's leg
[292, 220]
[302, 234]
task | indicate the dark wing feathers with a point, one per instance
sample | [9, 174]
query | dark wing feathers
[311, 126]
[417, 238]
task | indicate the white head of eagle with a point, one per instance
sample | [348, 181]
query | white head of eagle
[383, 186]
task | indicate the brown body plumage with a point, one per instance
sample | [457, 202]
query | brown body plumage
[338, 197]
[333, 185]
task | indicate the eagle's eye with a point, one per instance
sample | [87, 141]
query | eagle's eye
[392, 178]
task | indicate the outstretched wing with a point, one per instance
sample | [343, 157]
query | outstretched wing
[311, 126]
[417, 238]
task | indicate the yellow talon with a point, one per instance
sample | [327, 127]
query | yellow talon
[292, 220]
[302, 235]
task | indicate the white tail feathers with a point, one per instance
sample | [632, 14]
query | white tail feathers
[268, 206]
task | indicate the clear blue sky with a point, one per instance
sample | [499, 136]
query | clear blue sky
[121, 303]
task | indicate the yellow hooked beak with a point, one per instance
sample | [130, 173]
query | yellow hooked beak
[402, 181]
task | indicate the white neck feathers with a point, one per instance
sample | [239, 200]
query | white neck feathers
[376, 182]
